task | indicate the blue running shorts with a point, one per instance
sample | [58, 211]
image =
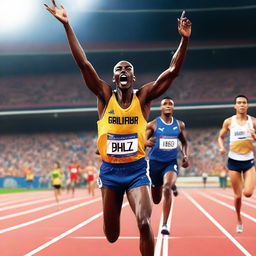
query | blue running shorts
[240, 166]
[157, 170]
[124, 176]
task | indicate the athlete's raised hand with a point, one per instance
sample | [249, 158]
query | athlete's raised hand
[58, 13]
[184, 25]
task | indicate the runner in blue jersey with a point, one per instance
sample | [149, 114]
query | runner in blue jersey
[163, 136]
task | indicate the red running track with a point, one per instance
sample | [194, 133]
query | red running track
[202, 223]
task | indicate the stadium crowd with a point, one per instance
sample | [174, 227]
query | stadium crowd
[40, 150]
[59, 90]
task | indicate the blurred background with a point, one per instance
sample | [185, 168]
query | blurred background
[48, 114]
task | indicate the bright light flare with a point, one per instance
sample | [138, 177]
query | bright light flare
[16, 13]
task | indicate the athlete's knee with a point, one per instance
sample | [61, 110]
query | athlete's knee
[157, 197]
[238, 196]
[111, 238]
[156, 200]
[110, 234]
[247, 193]
[167, 189]
[144, 223]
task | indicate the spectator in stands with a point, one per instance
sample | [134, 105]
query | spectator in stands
[29, 174]
[204, 178]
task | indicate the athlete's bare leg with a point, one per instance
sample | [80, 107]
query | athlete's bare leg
[112, 204]
[249, 182]
[56, 194]
[157, 194]
[169, 181]
[91, 188]
[237, 185]
[73, 186]
[140, 202]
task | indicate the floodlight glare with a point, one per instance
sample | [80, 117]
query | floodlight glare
[15, 13]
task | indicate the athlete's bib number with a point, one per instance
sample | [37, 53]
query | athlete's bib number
[168, 143]
[121, 145]
[73, 170]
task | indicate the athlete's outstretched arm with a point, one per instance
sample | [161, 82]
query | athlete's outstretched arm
[150, 129]
[155, 89]
[223, 132]
[184, 145]
[92, 80]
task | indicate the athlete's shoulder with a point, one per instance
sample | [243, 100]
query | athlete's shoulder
[228, 120]
[179, 121]
[181, 124]
[227, 123]
[151, 124]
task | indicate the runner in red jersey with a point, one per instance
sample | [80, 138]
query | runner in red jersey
[73, 170]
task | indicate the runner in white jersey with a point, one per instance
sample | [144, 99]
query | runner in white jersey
[240, 157]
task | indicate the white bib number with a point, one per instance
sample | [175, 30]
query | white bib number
[168, 143]
[122, 145]
[73, 170]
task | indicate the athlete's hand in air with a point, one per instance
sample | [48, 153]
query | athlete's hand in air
[58, 13]
[151, 142]
[185, 162]
[184, 25]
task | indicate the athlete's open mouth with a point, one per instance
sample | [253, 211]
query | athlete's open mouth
[123, 79]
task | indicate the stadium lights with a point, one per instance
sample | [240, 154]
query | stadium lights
[16, 13]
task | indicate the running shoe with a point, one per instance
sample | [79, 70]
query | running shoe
[165, 230]
[239, 228]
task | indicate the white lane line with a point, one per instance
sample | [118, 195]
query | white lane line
[229, 206]
[20, 200]
[104, 238]
[166, 237]
[40, 208]
[159, 239]
[47, 216]
[54, 240]
[217, 224]
[26, 204]
[245, 200]
[18, 195]
[137, 237]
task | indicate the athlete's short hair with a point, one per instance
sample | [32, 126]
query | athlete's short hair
[57, 163]
[240, 96]
[167, 98]
[123, 61]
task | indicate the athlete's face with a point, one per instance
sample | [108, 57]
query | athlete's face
[241, 105]
[167, 106]
[123, 75]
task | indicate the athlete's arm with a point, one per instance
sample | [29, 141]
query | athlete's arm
[254, 128]
[150, 129]
[155, 89]
[184, 145]
[223, 132]
[99, 87]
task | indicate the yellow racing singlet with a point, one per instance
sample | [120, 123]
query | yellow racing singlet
[122, 132]
[56, 177]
